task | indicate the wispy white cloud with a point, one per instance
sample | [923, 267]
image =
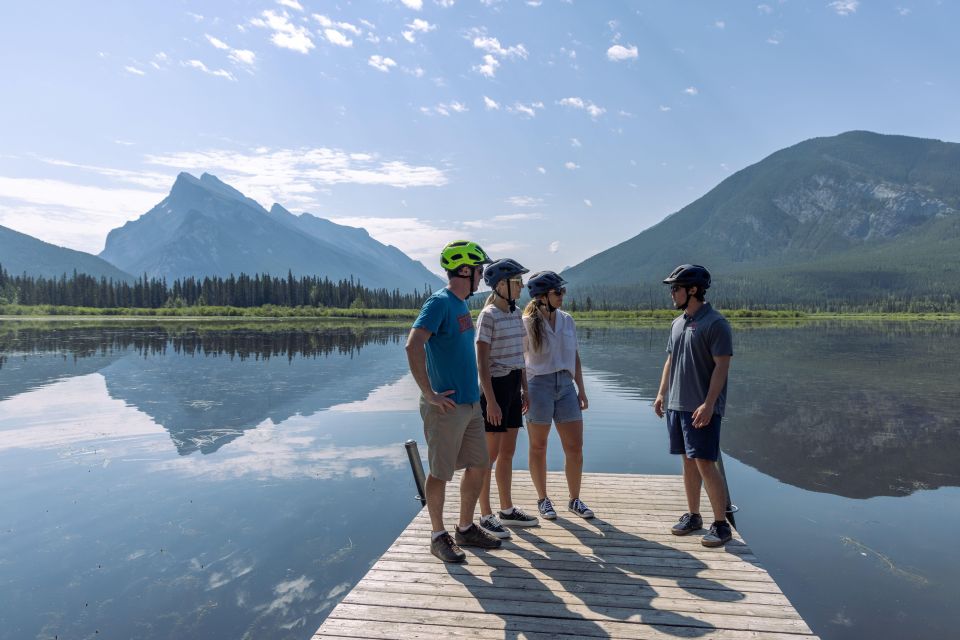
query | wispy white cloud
[575, 143]
[490, 104]
[529, 110]
[286, 34]
[583, 105]
[296, 176]
[291, 4]
[572, 166]
[70, 214]
[445, 108]
[133, 70]
[542, 171]
[381, 63]
[588, 202]
[775, 38]
[524, 201]
[554, 246]
[417, 26]
[336, 38]
[220, 73]
[239, 56]
[691, 91]
[765, 8]
[489, 66]
[720, 24]
[844, 7]
[416, 72]
[619, 53]
[446, 4]
[903, 11]
[494, 52]
[416, 5]
[664, 108]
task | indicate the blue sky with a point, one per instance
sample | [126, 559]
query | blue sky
[547, 131]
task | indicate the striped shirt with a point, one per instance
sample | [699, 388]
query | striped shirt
[504, 332]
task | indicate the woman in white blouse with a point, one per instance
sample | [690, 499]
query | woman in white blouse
[553, 366]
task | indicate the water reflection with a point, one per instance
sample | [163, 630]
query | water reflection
[194, 382]
[856, 409]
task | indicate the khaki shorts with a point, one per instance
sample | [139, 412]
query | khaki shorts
[455, 439]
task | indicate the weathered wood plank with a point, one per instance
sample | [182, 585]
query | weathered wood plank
[620, 575]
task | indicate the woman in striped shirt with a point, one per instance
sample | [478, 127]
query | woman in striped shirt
[500, 334]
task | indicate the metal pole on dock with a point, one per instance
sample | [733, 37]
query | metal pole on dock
[731, 508]
[416, 466]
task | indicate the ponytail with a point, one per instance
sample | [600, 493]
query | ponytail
[533, 310]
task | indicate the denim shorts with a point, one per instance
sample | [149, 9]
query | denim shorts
[553, 398]
[703, 443]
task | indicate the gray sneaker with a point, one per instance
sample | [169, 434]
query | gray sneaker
[446, 549]
[517, 518]
[719, 535]
[476, 537]
[545, 507]
[494, 527]
[689, 522]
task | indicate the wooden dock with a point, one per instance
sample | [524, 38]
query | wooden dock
[620, 575]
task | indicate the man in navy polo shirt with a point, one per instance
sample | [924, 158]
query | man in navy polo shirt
[694, 387]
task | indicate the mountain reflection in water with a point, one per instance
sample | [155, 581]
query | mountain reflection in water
[194, 382]
[857, 409]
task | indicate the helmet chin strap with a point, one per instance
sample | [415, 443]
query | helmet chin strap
[473, 271]
[550, 307]
[686, 303]
[510, 301]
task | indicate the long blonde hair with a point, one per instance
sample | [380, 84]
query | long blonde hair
[533, 310]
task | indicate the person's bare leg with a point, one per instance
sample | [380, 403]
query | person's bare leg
[469, 492]
[504, 472]
[538, 457]
[692, 483]
[713, 482]
[571, 437]
[436, 494]
[493, 448]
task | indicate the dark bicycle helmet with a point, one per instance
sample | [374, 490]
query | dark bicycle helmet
[502, 270]
[689, 275]
[543, 282]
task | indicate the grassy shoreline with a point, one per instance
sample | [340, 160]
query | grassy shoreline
[275, 313]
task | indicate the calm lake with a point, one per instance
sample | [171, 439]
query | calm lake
[207, 480]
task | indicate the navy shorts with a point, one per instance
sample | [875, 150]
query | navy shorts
[695, 443]
[506, 389]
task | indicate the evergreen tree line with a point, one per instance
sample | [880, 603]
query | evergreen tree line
[82, 290]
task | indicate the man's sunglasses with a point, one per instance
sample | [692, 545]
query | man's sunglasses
[676, 287]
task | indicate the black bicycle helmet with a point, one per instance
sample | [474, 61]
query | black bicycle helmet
[543, 282]
[689, 275]
[502, 270]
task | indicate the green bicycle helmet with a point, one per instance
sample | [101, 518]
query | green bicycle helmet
[463, 253]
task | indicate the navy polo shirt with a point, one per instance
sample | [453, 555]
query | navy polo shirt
[693, 343]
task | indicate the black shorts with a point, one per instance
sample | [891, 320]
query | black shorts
[506, 389]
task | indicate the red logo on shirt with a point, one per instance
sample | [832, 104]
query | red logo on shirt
[466, 322]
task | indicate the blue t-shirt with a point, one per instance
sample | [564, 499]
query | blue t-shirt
[451, 359]
[692, 346]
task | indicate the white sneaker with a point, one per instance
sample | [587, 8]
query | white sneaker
[494, 527]
[517, 518]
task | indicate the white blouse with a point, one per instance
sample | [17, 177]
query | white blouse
[558, 350]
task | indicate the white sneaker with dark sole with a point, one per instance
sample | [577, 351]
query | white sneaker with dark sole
[517, 518]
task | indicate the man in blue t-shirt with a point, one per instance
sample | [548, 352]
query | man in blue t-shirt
[694, 386]
[440, 350]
